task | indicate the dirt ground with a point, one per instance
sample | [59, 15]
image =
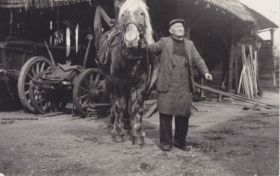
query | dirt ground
[225, 140]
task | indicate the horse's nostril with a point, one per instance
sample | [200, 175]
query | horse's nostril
[131, 32]
[130, 37]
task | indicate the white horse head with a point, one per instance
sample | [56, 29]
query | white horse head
[136, 19]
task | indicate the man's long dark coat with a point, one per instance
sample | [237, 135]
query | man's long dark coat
[193, 60]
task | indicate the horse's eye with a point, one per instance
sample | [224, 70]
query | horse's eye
[142, 13]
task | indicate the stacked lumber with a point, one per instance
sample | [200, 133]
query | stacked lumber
[248, 77]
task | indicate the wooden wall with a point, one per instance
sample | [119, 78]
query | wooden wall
[267, 66]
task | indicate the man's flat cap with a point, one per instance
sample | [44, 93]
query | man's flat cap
[178, 20]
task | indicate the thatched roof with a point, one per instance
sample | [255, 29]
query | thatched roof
[234, 7]
[262, 21]
[37, 3]
[244, 13]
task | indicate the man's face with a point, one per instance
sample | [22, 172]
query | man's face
[177, 29]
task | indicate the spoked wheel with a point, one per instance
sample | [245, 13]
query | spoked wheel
[89, 94]
[32, 67]
[45, 100]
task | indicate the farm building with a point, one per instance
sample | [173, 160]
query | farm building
[224, 31]
[219, 29]
[26, 27]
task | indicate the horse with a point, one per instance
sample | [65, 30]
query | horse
[126, 67]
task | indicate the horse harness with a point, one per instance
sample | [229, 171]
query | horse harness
[115, 38]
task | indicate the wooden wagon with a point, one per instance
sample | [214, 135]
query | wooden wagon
[27, 27]
[56, 63]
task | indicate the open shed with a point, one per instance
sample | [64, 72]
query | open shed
[219, 29]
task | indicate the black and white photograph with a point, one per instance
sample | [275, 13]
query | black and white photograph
[139, 87]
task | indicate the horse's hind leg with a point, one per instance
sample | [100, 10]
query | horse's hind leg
[136, 111]
[119, 109]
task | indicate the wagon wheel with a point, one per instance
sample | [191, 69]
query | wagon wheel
[89, 94]
[42, 101]
[33, 66]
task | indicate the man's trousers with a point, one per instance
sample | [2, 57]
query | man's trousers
[181, 130]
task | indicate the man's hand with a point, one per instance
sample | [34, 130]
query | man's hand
[208, 76]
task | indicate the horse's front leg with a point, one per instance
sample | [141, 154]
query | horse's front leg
[136, 111]
[118, 110]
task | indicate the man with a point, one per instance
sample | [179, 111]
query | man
[175, 83]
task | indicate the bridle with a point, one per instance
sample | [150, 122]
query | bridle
[122, 46]
[140, 27]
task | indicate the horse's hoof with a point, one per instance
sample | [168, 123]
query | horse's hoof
[138, 141]
[117, 138]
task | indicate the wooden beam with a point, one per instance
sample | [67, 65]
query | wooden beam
[236, 68]
[231, 60]
[117, 6]
[272, 36]
[234, 96]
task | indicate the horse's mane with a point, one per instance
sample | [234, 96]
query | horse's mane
[133, 5]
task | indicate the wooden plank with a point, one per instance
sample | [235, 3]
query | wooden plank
[52, 114]
[240, 80]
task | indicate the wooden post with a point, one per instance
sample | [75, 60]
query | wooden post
[57, 19]
[272, 30]
[3, 55]
[11, 22]
[230, 71]
[236, 69]
[231, 61]
[117, 5]
[272, 35]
